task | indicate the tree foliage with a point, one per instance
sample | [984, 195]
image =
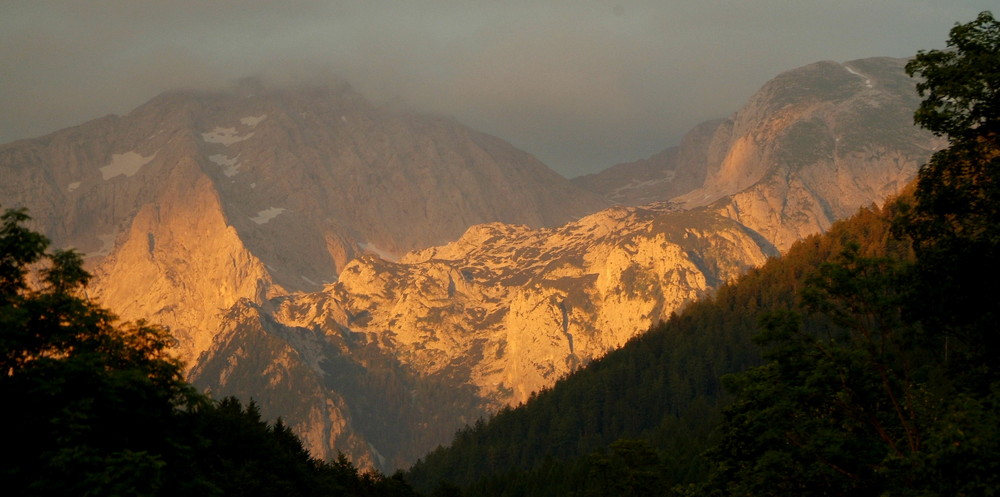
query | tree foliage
[876, 376]
[961, 86]
[94, 407]
[92, 395]
[954, 222]
[896, 395]
[662, 388]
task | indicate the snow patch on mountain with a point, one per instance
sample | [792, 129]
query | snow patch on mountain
[381, 459]
[384, 254]
[268, 214]
[126, 164]
[253, 120]
[231, 166]
[868, 82]
[107, 244]
[225, 136]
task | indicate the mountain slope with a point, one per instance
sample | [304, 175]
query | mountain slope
[506, 310]
[814, 144]
[807, 149]
[335, 390]
[198, 199]
[237, 218]
[665, 175]
[490, 318]
[663, 388]
[511, 309]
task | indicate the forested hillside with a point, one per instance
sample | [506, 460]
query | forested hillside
[859, 363]
[900, 395]
[661, 394]
[100, 407]
[874, 376]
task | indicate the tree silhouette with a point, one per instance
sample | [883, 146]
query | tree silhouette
[883, 383]
[99, 407]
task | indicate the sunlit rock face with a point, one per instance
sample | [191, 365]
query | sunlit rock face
[196, 199]
[405, 352]
[509, 310]
[379, 278]
[813, 145]
[181, 264]
[198, 204]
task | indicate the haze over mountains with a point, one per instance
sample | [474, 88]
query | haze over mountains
[378, 277]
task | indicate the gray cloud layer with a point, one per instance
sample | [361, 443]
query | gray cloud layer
[581, 84]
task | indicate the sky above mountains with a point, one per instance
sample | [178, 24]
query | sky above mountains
[581, 84]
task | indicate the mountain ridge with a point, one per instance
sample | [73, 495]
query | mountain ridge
[230, 218]
[821, 140]
[304, 180]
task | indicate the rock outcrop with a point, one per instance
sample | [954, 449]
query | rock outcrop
[198, 199]
[810, 147]
[815, 144]
[502, 312]
[379, 278]
[511, 309]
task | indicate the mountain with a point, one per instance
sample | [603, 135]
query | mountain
[652, 406]
[866, 383]
[378, 278]
[339, 391]
[500, 313]
[667, 174]
[196, 200]
[810, 147]
[506, 310]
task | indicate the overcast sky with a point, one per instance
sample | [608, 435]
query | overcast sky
[581, 84]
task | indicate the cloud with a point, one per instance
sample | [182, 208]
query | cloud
[581, 84]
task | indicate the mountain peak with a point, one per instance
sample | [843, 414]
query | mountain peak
[300, 179]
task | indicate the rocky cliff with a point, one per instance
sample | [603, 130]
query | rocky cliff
[511, 309]
[196, 200]
[378, 278]
[810, 147]
[815, 144]
[502, 312]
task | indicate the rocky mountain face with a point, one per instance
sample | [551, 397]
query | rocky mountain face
[505, 310]
[500, 313]
[379, 278]
[339, 390]
[813, 145]
[196, 200]
[810, 147]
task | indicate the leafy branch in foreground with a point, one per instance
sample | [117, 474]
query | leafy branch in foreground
[884, 382]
